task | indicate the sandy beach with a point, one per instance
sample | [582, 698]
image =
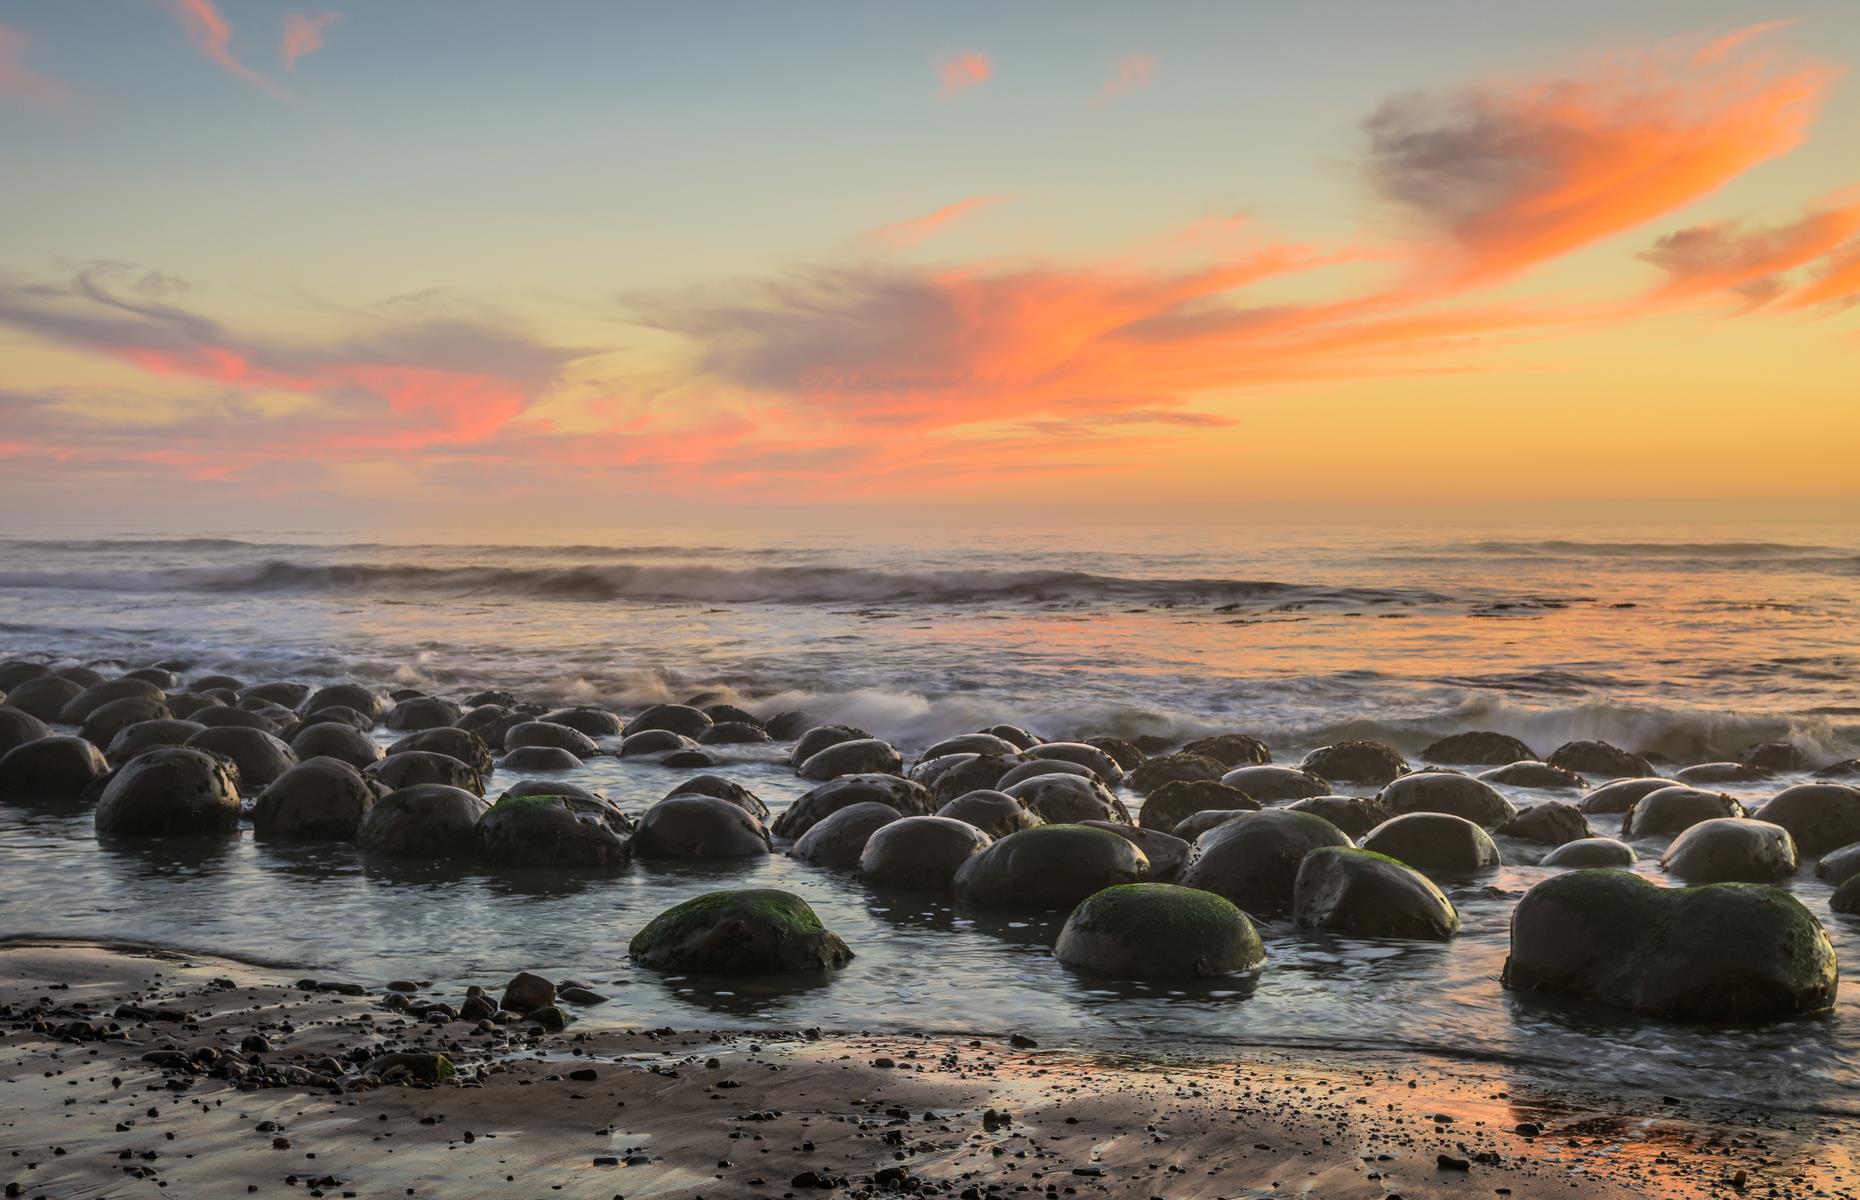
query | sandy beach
[86, 1112]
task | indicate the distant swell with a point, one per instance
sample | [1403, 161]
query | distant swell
[718, 585]
[1694, 550]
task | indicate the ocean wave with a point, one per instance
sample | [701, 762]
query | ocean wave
[703, 583]
[1560, 547]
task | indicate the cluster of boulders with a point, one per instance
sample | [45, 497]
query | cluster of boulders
[1223, 838]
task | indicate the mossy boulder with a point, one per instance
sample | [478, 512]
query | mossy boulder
[1341, 889]
[1231, 749]
[919, 853]
[461, 744]
[176, 790]
[1477, 748]
[430, 821]
[323, 799]
[412, 1065]
[1048, 867]
[996, 814]
[1600, 759]
[1355, 815]
[1357, 762]
[1551, 824]
[1254, 860]
[1276, 784]
[1172, 803]
[1153, 773]
[1717, 952]
[1591, 852]
[1448, 792]
[860, 756]
[50, 770]
[1439, 842]
[554, 831]
[908, 798]
[838, 839]
[1159, 931]
[1674, 810]
[693, 825]
[1819, 816]
[753, 931]
[1068, 799]
[1539, 775]
[1086, 755]
[1731, 850]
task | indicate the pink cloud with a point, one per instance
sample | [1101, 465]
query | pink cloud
[303, 34]
[20, 81]
[212, 36]
[1134, 73]
[961, 72]
[1728, 256]
[916, 229]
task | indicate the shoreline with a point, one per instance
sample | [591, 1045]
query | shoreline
[863, 1113]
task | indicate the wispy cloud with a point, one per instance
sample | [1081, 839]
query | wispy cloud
[1731, 256]
[303, 34]
[212, 35]
[1133, 73]
[17, 80]
[960, 72]
[913, 231]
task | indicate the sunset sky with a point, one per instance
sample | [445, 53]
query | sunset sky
[589, 263]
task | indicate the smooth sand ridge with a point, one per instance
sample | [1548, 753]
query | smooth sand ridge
[713, 1115]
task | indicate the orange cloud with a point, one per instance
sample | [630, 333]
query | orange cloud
[961, 72]
[212, 36]
[1514, 175]
[1725, 256]
[18, 80]
[303, 34]
[915, 230]
[1838, 283]
[1133, 74]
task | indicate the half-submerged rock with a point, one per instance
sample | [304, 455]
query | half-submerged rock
[1048, 867]
[751, 931]
[1717, 952]
[1360, 893]
[1731, 850]
[1159, 931]
[1253, 860]
[171, 791]
[555, 831]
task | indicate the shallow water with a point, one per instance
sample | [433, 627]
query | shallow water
[1300, 637]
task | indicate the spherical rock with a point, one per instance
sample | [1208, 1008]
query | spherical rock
[175, 790]
[813, 741]
[1719, 772]
[1613, 799]
[1271, 784]
[724, 789]
[461, 744]
[838, 839]
[349, 695]
[107, 720]
[422, 712]
[1166, 852]
[1551, 823]
[1068, 799]
[223, 717]
[14, 672]
[1819, 816]
[1599, 758]
[1672, 810]
[320, 799]
[1357, 762]
[1172, 803]
[50, 770]
[1015, 734]
[788, 725]
[734, 733]
[331, 739]
[692, 825]
[919, 853]
[542, 733]
[44, 697]
[281, 692]
[1775, 756]
[996, 814]
[411, 768]
[583, 718]
[1153, 773]
[861, 756]
[1437, 842]
[1126, 755]
[430, 821]
[1446, 792]
[721, 714]
[79, 708]
[1253, 860]
[750, 932]
[1359, 893]
[260, 757]
[690, 758]
[185, 704]
[538, 758]
[971, 743]
[1591, 852]
[1231, 749]
[908, 798]
[1477, 748]
[144, 736]
[1048, 867]
[1097, 761]
[1355, 815]
[1731, 850]
[1530, 774]
[676, 718]
[648, 742]
[1034, 769]
[1846, 898]
[17, 728]
[1839, 866]
[1159, 931]
[1717, 952]
[951, 775]
[553, 831]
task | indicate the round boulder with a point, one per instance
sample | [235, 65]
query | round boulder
[1675, 809]
[333, 739]
[971, 743]
[1731, 850]
[322, 799]
[107, 720]
[543, 733]
[908, 798]
[1840, 866]
[553, 831]
[363, 700]
[734, 733]
[260, 757]
[1477, 748]
[1084, 754]
[1253, 860]
[461, 744]
[675, 718]
[538, 758]
[1447, 792]
[1231, 749]
[427, 821]
[648, 742]
[1591, 852]
[754, 931]
[1531, 774]
[693, 825]
[584, 718]
[144, 736]
[44, 697]
[953, 775]
[1068, 799]
[1048, 867]
[1153, 773]
[996, 814]
[176, 790]
[1355, 815]
[1819, 816]
[860, 756]
[1172, 803]
[78, 709]
[724, 789]
[1718, 772]
[1271, 784]
[814, 740]
[1437, 842]
[1159, 931]
[1166, 852]
[919, 853]
[1776, 756]
[1033, 770]
[1613, 799]
[422, 712]
[1601, 759]
[1357, 762]
[1551, 823]
[17, 728]
[1359, 893]
[839, 838]
[411, 768]
[50, 770]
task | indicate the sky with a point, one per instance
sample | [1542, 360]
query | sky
[596, 264]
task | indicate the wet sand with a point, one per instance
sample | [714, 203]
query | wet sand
[712, 1114]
